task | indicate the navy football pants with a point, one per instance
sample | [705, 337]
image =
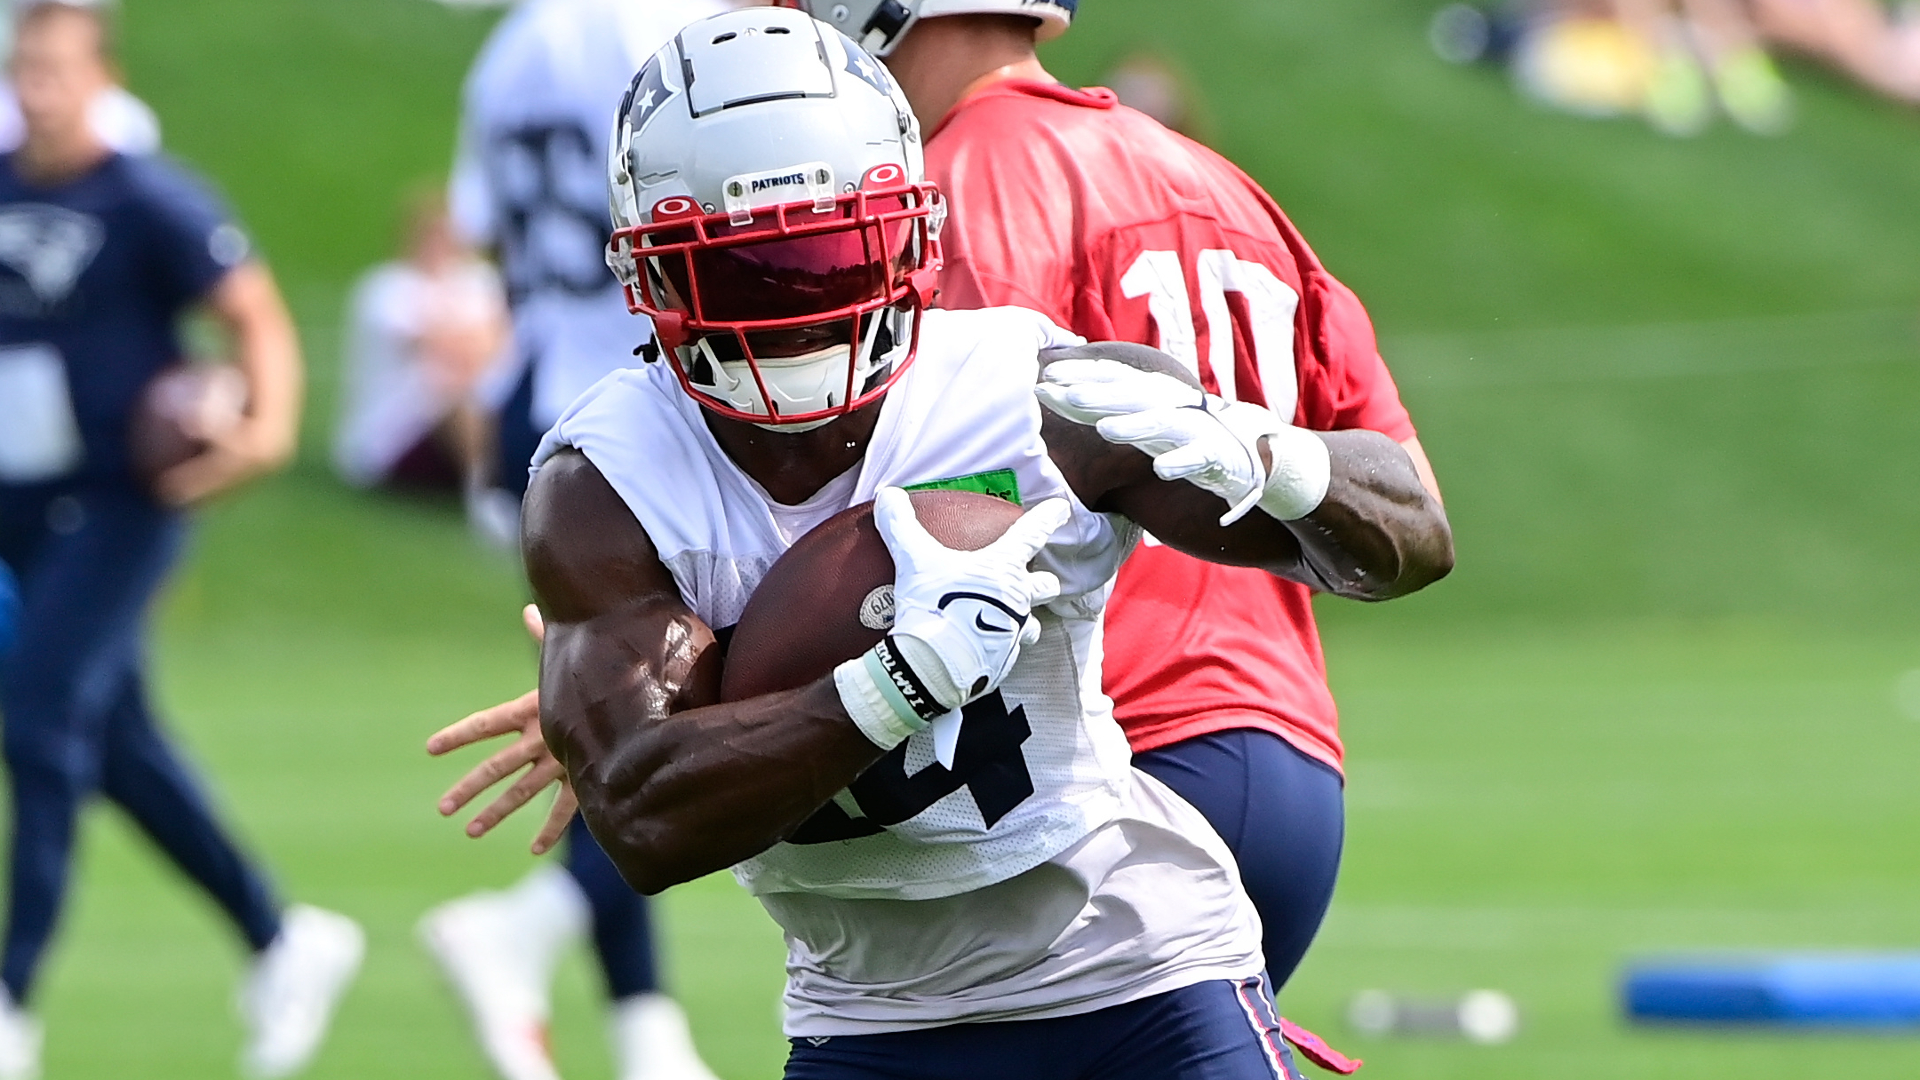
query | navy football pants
[622, 922]
[622, 928]
[76, 720]
[1283, 815]
[1211, 1031]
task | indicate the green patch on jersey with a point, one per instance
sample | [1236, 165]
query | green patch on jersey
[1000, 483]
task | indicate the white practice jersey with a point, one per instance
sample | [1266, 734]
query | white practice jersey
[1041, 875]
[530, 179]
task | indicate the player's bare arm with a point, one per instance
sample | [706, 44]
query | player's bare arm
[1376, 531]
[673, 783]
[247, 304]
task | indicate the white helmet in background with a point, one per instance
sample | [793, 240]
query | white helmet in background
[878, 25]
[769, 198]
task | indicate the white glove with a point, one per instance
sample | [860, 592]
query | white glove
[1195, 436]
[960, 618]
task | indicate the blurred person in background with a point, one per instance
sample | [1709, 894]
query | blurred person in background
[1608, 57]
[100, 256]
[530, 185]
[1147, 82]
[422, 331]
[119, 119]
[1671, 61]
[1116, 228]
[1866, 39]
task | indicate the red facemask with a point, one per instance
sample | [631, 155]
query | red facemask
[791, 267]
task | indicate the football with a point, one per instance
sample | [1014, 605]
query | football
[830, 597]
[181, 409]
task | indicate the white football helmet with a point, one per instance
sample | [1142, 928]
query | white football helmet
[878, 25]
[766, 178]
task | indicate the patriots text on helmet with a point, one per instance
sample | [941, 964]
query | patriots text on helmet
[778, 181]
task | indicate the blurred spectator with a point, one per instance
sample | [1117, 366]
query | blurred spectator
[1672, 60]
[1150, 83]
[422, 331]
[1668, 60]
[1860, 37]
[120, 120]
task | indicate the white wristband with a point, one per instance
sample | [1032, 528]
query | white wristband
[1297, 481]
[868, 702]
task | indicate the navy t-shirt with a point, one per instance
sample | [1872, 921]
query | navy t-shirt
[101, 268]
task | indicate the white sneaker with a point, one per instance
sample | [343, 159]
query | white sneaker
[498, 950]
[651, 1041]
[19, 1041]
[493, 515]
[289, 996]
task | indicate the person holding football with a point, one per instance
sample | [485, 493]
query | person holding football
[100, 256]
[1065, 202]
[1036, 907]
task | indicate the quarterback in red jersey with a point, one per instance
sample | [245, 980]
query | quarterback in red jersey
[1065, 202]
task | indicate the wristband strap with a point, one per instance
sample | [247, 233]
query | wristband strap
[1302, 471]
[886, 698]
[906, 691]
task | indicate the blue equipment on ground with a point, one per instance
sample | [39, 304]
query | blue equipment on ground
[1794, 990]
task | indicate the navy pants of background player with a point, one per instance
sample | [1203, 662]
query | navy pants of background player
[74, 717]
[1210, 1031]
[622, 928]
[1283, 815]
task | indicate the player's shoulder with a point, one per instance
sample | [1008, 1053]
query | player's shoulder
[991, 332]
[622, 391]
[1036, 103]
[162, 182]
[630, 415]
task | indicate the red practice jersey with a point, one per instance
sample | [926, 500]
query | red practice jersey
[1069, 203]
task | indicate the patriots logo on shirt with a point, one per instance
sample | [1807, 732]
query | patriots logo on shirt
[867, 70]
[49, 246]
[645, 97]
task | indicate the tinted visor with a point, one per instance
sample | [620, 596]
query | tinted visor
[792, 277]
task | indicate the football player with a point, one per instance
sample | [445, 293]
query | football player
[101, 255]
[972, 878]
[529, 183]
[1115, 227]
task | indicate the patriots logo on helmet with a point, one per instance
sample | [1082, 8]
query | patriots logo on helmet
[645, 97]
[867, 70]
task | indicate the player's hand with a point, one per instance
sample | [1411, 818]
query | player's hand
[960, 618]
[1236, 450]
[233, 456]
[519, 717]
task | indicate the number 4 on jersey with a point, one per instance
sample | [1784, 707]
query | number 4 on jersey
[987, 762]
[1270, 305]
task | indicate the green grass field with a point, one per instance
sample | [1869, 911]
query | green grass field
[1671, 390]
